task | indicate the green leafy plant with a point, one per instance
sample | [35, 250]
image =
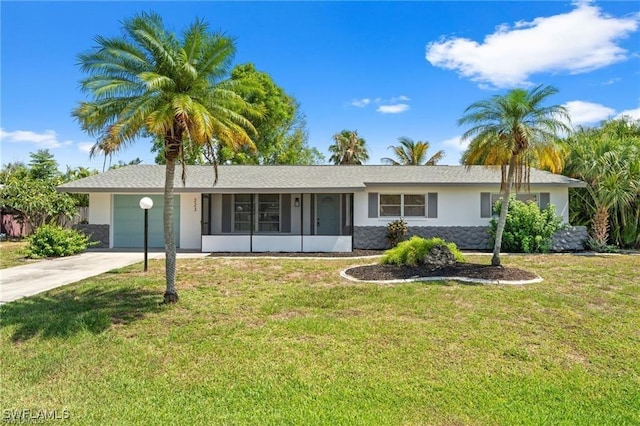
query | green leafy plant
[55, 241]
[396, 231]
[527, 229]
[413, 251]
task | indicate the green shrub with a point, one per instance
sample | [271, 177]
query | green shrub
[396, 231]
[55, 241]
[527, 229]
[413, 251]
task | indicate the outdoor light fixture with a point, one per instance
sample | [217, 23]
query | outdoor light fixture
[296, 202]
[145, 204]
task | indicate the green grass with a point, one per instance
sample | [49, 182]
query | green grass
[258, 341]
[11, 253]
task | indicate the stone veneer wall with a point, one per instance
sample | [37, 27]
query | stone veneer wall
[573, 238]
[97, 233]
[465, 237]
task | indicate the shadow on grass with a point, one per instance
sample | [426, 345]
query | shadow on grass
[73, 311]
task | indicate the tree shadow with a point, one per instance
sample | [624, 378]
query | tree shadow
[73, 311]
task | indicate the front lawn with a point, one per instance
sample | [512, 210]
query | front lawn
[11, 253]
[286, 341]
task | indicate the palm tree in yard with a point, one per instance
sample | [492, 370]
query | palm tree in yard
[149, 82]
[410, 153]
[348, 148]
[514, 131]
[608, 160]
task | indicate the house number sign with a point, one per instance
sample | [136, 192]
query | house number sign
[195, 204]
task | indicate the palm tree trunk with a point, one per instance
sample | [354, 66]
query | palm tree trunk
[170, 294]
[502, 220]
[600, 225]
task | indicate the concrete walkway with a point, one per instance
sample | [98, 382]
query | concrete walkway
[40, 276]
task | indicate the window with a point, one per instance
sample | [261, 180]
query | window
[390, 205]
[414, 205]
[525, 197]
[402, 205]
[488, 200]
[267, 216]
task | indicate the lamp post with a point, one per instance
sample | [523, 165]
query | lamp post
[145, 204]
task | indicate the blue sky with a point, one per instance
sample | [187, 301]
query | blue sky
[385, 69]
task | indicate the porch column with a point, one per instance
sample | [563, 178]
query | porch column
[301, 222]
[251, 225]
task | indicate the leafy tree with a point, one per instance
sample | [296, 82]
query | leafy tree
[18, 169]
[31, 190]
[43, 165]
[410, 153]
[121, 163]
[151, 82]
[36, 200]
[281, 133]
[514, 131]
[348, 148]
[607, 158]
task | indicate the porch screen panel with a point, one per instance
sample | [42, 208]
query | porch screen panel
[285, 200]
[343, 221]
[485, 204]
[226, 212]
[373, 204]
[432, 205]
[206, 214]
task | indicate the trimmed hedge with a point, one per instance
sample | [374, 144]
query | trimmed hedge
[55, 241]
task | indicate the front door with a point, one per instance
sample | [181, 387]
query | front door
[328, 214]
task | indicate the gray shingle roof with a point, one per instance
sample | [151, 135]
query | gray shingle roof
[150, 178]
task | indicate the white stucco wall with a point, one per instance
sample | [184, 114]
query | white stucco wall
[190, 220]
[100, 209]
[456, 206]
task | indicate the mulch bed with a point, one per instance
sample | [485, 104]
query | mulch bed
[466, 270]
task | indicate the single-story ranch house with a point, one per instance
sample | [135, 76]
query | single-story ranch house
[309, 208]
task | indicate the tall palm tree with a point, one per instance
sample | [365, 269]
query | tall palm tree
[410, 153]
[349, 148]
[150, 82]
[608, 160]
[514, 131]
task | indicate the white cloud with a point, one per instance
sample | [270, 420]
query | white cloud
[361, 103]
[46, 140]
[453, 149]
[85, 146]
[394, 105]
[582, 112]
[633, 113]
[393, 109]
[399, 99]
[578, 41]
[456, 143]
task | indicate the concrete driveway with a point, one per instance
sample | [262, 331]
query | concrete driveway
[27, 280]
